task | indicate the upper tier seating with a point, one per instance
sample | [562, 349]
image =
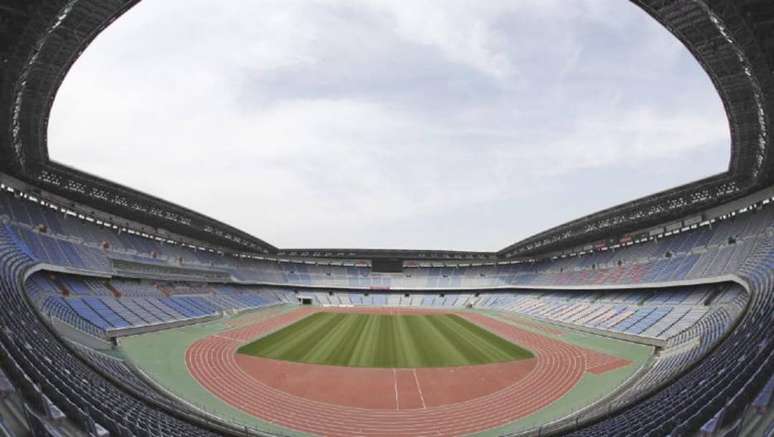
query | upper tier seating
[709, 251]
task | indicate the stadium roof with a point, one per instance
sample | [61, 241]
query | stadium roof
[733, 40]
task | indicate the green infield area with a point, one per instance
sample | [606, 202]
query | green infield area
[385, 340]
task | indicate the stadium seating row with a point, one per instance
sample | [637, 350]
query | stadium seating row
[712, 393]
[54, 381]
[702, 253]
[109, 307]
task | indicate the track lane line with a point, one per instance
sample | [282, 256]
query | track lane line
[419, 388]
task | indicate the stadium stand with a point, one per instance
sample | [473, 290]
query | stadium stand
[718, 386]
[36, 360]
[111, 307]
[696, 261]
[693, 320]
[689, 269]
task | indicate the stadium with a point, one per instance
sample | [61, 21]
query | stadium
[127, 315]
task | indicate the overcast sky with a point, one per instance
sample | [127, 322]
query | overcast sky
[432, 124]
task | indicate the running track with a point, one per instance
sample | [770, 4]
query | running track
[558, 367]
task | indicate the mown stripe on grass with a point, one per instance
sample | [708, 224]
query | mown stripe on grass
[386, 341]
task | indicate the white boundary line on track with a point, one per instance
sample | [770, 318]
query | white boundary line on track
[395, 381]
[419, 388]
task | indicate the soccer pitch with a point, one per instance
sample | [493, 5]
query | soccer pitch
[385, 341]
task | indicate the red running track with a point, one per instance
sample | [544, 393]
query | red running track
[385, 389]
[558, 366]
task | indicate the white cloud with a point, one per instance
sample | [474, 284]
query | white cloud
[439, 124]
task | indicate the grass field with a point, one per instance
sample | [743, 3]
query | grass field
[387, 341]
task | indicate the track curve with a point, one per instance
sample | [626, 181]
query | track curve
[558, 367]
